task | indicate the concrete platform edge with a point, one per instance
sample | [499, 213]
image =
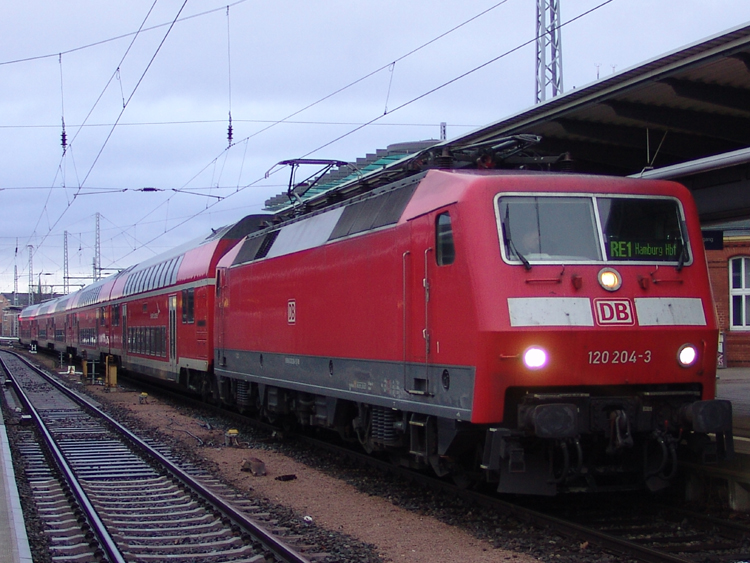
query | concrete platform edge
[12, 527]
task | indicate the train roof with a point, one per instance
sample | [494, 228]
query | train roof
[416, 195]
[190, 261]
[29, 312]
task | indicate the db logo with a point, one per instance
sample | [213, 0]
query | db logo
[614, 312]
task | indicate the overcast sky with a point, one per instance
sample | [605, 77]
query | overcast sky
[150, 109]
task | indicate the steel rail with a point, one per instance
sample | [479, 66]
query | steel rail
[604, 540]
[106, 541]
[269, 542]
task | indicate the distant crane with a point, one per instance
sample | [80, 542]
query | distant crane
[549, 74]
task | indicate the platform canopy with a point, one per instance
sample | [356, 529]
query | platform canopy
[684, 115]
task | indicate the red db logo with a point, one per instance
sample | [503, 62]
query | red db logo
[614, 312]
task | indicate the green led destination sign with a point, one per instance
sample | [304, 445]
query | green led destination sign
[643, 250]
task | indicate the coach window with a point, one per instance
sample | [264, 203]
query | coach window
[739, 272]
[160, 275]
[446, 251]
[115, 315]
[151, 278]
[188, 305]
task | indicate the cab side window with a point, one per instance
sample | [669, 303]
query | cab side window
[446, 251]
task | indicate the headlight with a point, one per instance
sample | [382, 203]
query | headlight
[535, 358]
[687, 355]
[610, 279]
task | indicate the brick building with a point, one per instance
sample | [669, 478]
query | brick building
[729, 270]
[9, 312]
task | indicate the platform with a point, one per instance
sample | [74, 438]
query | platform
[734, 384]
[13, 539]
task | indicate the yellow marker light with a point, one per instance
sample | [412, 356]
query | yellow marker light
[535, 358]
[610, 279]
[687, 355]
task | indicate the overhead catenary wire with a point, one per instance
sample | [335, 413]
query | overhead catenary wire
[273, 123]
[143, 74]
[453, 80]
[403, 105]
[210, 121]
[116, 38]
[230, 135]
[390, 83]
[334, 93]
[63, 135]
[357, 127]
[380, 69]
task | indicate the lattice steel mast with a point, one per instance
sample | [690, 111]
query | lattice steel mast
[549, 74]
[97, 252]
[66, 272]
[31, 276]
[15, 276]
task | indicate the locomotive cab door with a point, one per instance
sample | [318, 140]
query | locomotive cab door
[416, 264]
[124, 321]
[221, 302]
[431, 295]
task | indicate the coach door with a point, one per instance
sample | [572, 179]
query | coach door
[124, 321]
[221, 298]
[173, 331]
[416, 269]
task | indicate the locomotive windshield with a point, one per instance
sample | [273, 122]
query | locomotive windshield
[538, 229]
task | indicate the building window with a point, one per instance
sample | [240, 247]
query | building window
[739, 292]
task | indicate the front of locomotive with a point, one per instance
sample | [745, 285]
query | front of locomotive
[605, 349]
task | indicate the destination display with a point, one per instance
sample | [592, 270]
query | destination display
[642, 229]
[643, 250]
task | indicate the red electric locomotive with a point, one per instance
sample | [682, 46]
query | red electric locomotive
[544, 332]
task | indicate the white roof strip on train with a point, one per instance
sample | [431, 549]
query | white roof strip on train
[550, 311]
[670, 311]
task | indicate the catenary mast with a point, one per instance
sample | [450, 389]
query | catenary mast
[548, 50]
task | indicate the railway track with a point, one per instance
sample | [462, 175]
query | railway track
[637, 530]
[106, 495]
[646, 530]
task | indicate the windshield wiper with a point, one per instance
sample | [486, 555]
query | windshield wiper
[506, 236]
[683, 253]
[683, 258]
